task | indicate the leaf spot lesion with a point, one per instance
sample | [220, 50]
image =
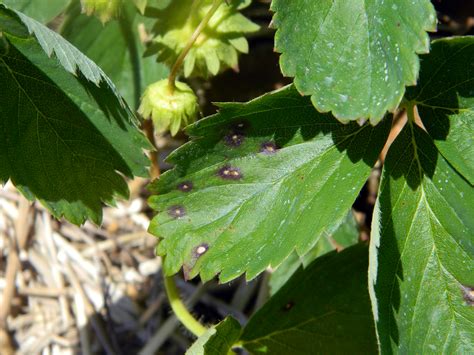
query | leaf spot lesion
[468, 294]
[229, 173]
[177, 211]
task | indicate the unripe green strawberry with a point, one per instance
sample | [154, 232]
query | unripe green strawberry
[169, 110]
[103, 9]
[215, 49]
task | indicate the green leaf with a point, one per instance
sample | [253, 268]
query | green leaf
[63, 139]
[346, 235]
[116, 48]
[422, 252]
[323, 309]
[353, 57]
[69, 56]
[445, 100]
[267, 177]
[217, 340]
[41, 10]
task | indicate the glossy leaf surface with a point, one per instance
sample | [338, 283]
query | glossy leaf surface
[422, 251]
[353, 57]
[265, 178]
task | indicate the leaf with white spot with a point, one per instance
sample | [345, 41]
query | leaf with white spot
[259, 180]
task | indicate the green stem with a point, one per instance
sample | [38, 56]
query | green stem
[179, 62]
[180, 309]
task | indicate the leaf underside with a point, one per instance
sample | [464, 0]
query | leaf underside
[353, 57]
[268, 177]
[63, 139]
[335, 319]
[422, 251]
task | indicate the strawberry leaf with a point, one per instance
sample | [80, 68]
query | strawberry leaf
[65, 139]
[353, 57]
[263, 179]
[422, 251]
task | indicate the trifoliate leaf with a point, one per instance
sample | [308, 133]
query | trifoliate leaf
[63, 139]
[264, 178]
[353, 57]
[169, 110]
[216, 48]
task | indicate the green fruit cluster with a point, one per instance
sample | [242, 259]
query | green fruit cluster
[169, 109]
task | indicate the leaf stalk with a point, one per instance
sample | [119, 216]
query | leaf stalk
[179, 62]
[180, 310]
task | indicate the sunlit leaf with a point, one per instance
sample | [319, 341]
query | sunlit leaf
[422, 251]
[263, 178]
[353, 57]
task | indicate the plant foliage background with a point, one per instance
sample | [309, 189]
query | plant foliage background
[269, 184]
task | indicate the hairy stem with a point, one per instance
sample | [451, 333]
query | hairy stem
[180, 310]
[179, 62]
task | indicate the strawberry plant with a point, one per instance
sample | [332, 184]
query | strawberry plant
[269, 182]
